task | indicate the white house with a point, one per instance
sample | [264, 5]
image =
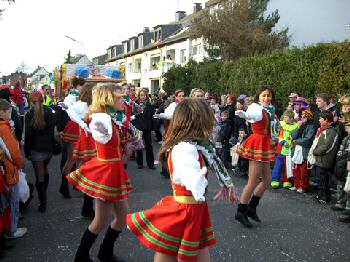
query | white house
[150, 54]
[38, 78]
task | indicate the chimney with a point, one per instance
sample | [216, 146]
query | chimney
[146, 29]
[179, 15]
[197, 7]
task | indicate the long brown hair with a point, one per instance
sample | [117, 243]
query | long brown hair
[193, 119]
[86, 93]
[38, 120]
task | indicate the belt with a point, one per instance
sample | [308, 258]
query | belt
[187, 200]
[109, 160]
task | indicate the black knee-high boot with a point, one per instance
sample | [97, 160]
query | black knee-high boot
[83, 252]
[40, 187]
[241, 215]
[87, 210]
[106, 249]
[64, 189]
[253, 203]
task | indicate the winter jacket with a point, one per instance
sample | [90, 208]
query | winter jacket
[326, 148]
[285, 135]
[341, 159]
[304, 137]
[225, 132]
[240, 123]
[16, 162]
[17, 96]
[39, 140]
[144, 120]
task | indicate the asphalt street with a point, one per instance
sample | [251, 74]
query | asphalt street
[294, 227]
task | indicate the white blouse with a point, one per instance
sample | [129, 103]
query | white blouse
[77, 112]
[102, 136]
[187, 171]
[168, 112]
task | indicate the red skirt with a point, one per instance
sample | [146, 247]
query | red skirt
[258, 147]
[104, 180]
[173, 228]
[85, 148]
[71, 132]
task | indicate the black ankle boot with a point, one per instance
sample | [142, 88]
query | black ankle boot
[64, 189]
[86, 243]
[40, 187]
[87, 210]
[105, 254]
[241, 215]
[253, 203]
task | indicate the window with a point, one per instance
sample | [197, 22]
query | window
[157, 35]
[137, 66]
[109, 53]
[125, 44]
[155, 62]
[194, 50]
[140, 41]
[132, 45]
[183, 58]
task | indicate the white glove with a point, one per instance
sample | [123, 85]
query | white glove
[156, 116]
[132, 117]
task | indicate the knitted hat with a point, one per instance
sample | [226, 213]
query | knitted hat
[308, 114]
[36, 96]
[290, 114]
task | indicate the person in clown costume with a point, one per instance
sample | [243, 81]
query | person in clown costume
[283, 163]
[104, 177]
[260, 149]
[178, 227]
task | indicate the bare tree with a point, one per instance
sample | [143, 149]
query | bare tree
[238, 28]
[9, 2]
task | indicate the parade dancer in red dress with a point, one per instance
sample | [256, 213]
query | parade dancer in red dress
[259, 149]
[104, 177]
[85, 148]
[178, 228]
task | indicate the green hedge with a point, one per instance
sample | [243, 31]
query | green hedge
[323, 67]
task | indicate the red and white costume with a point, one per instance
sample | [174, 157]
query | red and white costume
[258, 146]
[71, 132]
[104, 176]
[85, 148]
[179, 225]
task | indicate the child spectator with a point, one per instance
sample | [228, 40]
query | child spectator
[283, 160]
[240, 123]
[340, 171]
[325, 153]
[239, 164]
[13, 162]
[303, 140]
[224, 136]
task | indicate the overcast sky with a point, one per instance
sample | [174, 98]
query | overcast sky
[33, 31]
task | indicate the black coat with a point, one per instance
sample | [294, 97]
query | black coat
[225, 132]
[144, 121]
[39, 140]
